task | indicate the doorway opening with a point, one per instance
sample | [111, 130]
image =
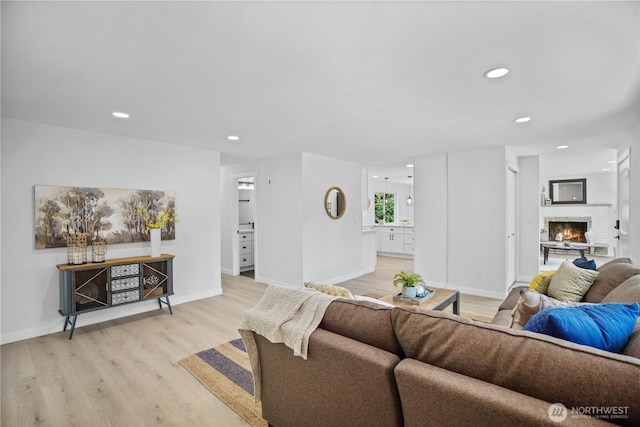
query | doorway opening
[246, 226]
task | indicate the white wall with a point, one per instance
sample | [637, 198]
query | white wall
[431, 257]
[601, 187]
[279, 221]
[38, 154]
[296, 240]
[477, 236]
[528, 207]
[332, 248]
[278, 218]
[635, 200]
[460, 217]
[633, 143]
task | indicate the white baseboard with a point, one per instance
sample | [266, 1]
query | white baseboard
[269, 281]
[338, 280]
[395, 255]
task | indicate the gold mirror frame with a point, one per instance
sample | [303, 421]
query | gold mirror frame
[341, 208]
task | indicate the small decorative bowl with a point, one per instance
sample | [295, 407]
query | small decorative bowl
[421, 291]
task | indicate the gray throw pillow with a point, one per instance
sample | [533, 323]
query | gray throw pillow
[571, 283]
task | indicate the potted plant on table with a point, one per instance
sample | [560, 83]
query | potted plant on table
[408, 282]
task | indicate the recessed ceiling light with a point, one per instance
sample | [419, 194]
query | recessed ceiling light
[375, 176]
[409, 166]
[120, 115]
[496, 73]
[522, 119]
[233, 138]
[611, 161]
[605, 169]
[562, 147]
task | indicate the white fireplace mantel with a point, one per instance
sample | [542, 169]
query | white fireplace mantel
[602, 219]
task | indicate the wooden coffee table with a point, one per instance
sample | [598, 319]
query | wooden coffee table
[442, 299]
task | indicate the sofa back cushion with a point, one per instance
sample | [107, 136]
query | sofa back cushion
[362, 321]
[612, 274]
[628, 292]
[543, 367]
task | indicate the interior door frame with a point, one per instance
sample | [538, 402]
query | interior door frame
[235, 221]
[623, 246]
[512, 216]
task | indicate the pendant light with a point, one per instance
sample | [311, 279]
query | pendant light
[409, 199]
[386, 189]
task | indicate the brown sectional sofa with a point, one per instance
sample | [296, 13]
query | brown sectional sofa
[370, 365]
[617, 281]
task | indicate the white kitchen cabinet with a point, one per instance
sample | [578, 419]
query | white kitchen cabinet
[246, 251]
[393, 240]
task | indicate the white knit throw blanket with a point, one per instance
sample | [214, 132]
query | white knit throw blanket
[283, 315]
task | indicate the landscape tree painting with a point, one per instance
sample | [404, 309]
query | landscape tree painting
[104, 214]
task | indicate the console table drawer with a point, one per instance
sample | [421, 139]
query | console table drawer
[126, 283]
[125, 270]
[122, 297]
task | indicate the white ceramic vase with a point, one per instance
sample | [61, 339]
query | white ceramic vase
[590, 236]
[409, 291]
[154, 236]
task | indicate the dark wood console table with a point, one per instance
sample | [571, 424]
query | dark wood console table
[580, 247]
[97, 286]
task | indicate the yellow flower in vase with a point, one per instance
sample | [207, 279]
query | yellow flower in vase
[161, 220]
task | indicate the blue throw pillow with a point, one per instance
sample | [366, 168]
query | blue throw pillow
[604, 326]
[584, 263]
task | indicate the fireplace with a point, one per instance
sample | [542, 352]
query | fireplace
[571, 231]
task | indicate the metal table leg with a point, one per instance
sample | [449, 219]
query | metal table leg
[167, 302]
[70, 320]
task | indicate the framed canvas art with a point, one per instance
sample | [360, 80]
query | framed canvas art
[111, 215]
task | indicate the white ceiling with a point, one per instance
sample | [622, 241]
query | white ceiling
[378, 83]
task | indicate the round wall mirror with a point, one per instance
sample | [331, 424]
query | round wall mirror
[335, 203]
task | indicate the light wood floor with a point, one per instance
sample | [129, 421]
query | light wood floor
[125, 372]
[380, 282]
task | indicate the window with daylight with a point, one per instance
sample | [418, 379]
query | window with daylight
[385, 207]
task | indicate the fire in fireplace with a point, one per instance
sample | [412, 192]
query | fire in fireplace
[571, 231]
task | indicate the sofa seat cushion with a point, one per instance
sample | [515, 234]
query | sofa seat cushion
[612, 274]
[537, 365]
[503, 318]
[605, 326]
[530, 304]
[363, 321]
[512, 299]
